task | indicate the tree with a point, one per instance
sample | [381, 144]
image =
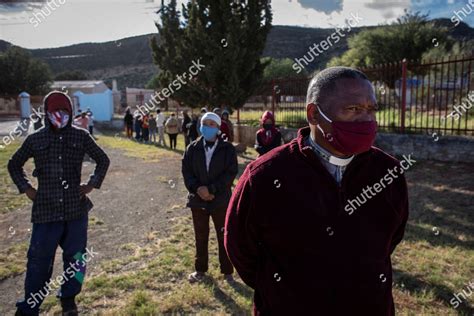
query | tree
[226, 37]
[280, 68]
[20, 72]
[38, 77]
[408, 38]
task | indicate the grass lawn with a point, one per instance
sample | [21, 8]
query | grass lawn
[9, 197]
[434, 262]
[385, 117]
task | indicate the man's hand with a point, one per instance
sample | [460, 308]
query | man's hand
[203, 192]
[85, 189]
[31, 193]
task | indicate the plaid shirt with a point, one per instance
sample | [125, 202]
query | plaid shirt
[58, 162]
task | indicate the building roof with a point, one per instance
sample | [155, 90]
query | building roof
[78, 84]
[138, 90]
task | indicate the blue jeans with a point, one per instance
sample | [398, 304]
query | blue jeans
[45, 238]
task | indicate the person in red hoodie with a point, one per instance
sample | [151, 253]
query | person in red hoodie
[267, 137]
[302, 229]
[61, 204]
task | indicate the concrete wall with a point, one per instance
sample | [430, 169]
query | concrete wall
[441, 148]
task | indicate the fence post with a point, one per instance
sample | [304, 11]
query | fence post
[273, 99]
[404, 95]
[238, 116]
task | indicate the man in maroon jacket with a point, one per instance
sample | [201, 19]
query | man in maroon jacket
[302, 229]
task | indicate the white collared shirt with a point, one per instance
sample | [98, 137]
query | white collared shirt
[209, 152]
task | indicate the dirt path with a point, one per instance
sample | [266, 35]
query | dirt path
[137, 197]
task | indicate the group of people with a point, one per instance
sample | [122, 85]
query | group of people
[85, 119]
[148, 127]
[283, 227]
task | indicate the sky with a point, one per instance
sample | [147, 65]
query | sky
[55, 23]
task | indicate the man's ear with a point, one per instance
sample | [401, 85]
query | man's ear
[311, 114]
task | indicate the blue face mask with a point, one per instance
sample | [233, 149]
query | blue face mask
[208, 132]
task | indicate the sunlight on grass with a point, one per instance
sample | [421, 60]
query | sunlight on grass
[158, 284]
[147, 152]
[9, 197]
[390, 118]
[13, 260]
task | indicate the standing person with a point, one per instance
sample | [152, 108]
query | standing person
[209, 167]
[128, 122]
[60, 204]
[138, 127]
[267, 137]
[152, 128]
[333, 256]
[160, 125]
[185, 127]
[203, 111]
[145, 130]
[172, 129]
[192, 129]
[82, 121]
[230, 126]
[90, 124]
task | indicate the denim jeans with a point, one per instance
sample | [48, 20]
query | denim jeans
[45, 238]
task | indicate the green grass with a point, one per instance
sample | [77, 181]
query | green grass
[387, 117]
[9, 198]
[157, 282]
[429, 268]
[147, 152]
[13, 260]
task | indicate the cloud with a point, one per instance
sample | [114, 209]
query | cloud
[387, 5]
[326, 6]
[16, 6]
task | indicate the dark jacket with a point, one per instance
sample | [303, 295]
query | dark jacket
[222, 171]
[128, 119]
[184, 126]
[58, 159]
[192, 131]
[291, 239]
[261, 147]
[263, 142]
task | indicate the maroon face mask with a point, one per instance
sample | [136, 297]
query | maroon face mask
[350, 138]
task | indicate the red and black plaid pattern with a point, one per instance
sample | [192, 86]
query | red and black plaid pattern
[58, 162]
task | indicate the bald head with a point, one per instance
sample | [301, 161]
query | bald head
[324, 85]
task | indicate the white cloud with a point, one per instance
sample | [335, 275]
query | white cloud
[80, 21]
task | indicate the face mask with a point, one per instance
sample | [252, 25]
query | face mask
[208, 132]
[267, 126]
[350, 138]
[58, 119]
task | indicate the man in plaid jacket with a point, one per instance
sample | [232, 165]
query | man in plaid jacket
[60, 204]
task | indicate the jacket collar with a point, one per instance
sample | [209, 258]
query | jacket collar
[299, 145]
[200, 143]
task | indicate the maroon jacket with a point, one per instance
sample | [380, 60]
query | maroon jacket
[291, 240]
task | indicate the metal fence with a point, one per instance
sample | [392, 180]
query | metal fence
[434, 96]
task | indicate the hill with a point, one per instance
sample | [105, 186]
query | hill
[129, 60]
